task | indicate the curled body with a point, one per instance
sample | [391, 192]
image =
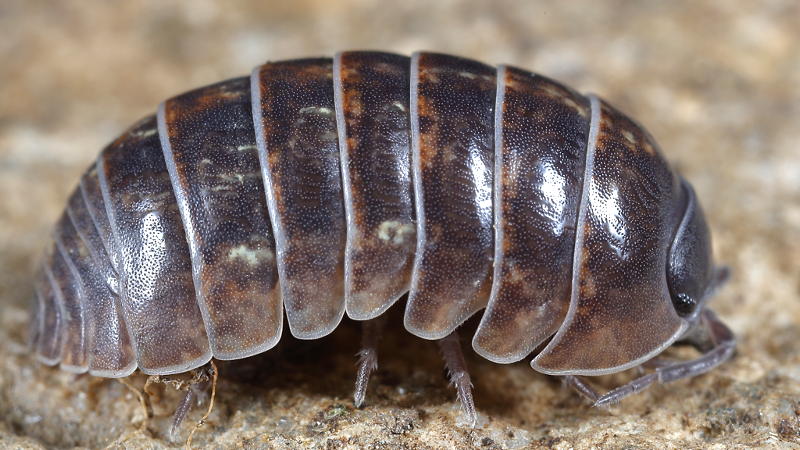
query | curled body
[322, 187]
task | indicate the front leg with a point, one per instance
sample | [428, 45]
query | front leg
[723, 346]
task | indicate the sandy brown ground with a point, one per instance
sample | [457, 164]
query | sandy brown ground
[717, 83]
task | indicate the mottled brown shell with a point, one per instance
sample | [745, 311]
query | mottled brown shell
[319, 187]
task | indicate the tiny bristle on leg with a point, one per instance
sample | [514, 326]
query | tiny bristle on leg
[456, 367]
[372, 331]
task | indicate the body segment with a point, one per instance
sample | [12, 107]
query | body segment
[297, 140]
[452, 118]
[541, 131]
[372, 104]
[210, 151]
[74, 357]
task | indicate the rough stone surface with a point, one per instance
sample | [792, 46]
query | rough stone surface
[717, 83]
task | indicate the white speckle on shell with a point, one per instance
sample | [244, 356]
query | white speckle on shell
[251, 256]
[146, 133]
[394, 231]
[316, 110]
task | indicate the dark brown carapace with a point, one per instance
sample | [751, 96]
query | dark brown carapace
[321, 187]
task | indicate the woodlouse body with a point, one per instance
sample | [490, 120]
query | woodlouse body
[324, 186]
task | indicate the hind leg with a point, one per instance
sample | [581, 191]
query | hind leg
[715, 339]
[367, 356]
[450, 346]
[196, 388]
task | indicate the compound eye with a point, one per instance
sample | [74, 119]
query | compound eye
[684, 304]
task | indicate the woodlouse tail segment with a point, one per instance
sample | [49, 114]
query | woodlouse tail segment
[456, 367]
[74, 331]
[48, 343]
[105, 336]
[372, 331]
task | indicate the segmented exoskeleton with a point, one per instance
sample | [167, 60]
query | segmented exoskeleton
[321, 187]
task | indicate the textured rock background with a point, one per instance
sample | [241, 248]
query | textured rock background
[717, 83]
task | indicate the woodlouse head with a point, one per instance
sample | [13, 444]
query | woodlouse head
[691, 274]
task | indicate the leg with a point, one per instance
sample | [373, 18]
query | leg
[181, 411]
[202, 421]
[367, 356]
[582, 387]
[195, 388]
[723, 345]
[459, 377]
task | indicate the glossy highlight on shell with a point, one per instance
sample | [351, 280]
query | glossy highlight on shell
[322, 187]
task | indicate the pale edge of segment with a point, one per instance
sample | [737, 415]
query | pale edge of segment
[39, 356]
[39, 324]
[272, 208]
[498, 219]
[85, 239]
[344, 158]
[113, 257]
[416, 182]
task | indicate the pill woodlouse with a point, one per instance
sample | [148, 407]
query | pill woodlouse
[323, 186]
